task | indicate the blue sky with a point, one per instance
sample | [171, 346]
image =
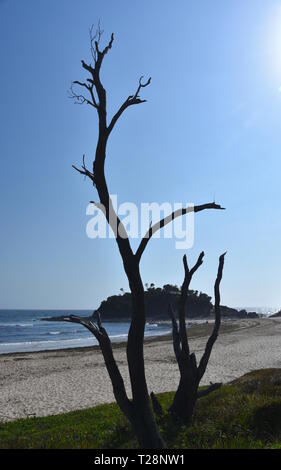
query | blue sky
[211, 128]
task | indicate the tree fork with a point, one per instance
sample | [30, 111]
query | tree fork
[190, 374]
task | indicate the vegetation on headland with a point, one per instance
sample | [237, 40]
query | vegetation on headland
[198, 305]
[243, 414]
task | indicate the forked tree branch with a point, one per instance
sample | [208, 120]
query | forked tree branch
[190, 374]
[166, 220]
[100, 333]
[80, 98]
[211, 341]
[84, 171]
[97, 175]
[95, 81]
[180, 339]
[131, 100]
[184, 292]
[104, 132]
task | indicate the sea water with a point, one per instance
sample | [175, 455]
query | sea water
[24, 331]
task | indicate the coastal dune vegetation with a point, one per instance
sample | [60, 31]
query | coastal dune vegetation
[245, 413]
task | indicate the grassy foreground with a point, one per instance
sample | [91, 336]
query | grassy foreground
[243, 414]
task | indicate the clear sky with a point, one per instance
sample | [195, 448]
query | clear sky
[211, 128]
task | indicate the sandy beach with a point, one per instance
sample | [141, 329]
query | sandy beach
[52, 382]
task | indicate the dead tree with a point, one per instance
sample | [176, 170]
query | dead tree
[138, 409]
[190, 373]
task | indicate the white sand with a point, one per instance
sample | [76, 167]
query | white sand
[45, 383]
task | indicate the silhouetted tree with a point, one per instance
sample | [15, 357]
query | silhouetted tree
[191, 373]
[138, 409]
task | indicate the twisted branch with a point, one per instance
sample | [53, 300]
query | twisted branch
[79, 98]
[131, 100]
[166, 220]
[100, 333]
[84, 171]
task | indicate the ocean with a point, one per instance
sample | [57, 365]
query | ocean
[23, 331]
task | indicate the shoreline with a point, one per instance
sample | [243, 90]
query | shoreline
[44, 383]
[194, 331]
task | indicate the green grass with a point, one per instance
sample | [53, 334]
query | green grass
[243, 414]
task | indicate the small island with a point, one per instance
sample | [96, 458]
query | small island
[198, 306]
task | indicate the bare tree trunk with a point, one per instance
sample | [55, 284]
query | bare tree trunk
[190, 374]
[143, 420]
[186, 394]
